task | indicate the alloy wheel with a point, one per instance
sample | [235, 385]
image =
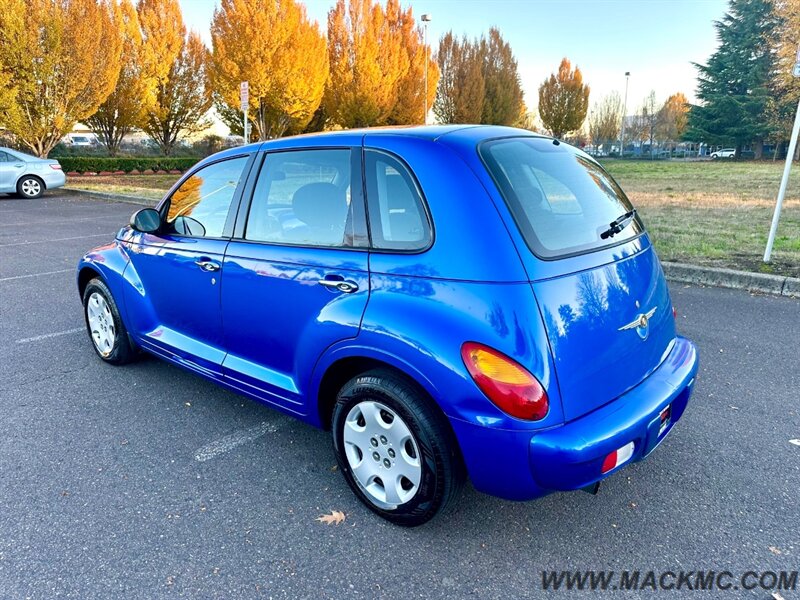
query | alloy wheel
[31, 187]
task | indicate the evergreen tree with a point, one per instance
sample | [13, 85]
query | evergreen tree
[734, 85]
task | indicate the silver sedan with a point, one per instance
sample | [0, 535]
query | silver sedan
[28, 175]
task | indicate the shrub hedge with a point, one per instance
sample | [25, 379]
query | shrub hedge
[95, 164]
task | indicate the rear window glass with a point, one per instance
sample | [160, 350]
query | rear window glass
[561, 200]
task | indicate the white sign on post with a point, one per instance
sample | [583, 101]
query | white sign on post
[244, 94]
[244, 100]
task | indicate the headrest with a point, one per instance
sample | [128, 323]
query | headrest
[321, 205]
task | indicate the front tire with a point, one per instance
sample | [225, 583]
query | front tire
[105, 327]
[30, 187]
[395, 450]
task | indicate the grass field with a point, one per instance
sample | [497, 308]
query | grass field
[705, 213]
[715, 213]
[151, 187]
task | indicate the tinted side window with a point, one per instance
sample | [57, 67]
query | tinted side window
[396, 214]
[199, 207]
[302, 197]
[4, 157]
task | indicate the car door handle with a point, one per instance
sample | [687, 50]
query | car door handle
[19, 166]
[207, 265]
[347, 287]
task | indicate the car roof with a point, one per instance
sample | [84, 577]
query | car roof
[463, 134]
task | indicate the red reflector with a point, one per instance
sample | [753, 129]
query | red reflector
[618, 457]
[505, 382]
[610, 462]
[674, 313]
[56, 167]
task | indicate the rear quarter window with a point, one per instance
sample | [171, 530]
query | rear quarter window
[561, 200]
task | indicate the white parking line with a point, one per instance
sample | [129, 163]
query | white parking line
[47, 336]
[36, 274]
[79, 237]
[236, 439]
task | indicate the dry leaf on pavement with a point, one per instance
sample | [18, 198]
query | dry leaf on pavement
[335, 518]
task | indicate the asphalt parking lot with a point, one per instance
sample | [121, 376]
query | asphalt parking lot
[146, 481]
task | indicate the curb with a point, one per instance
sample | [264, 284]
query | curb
[777, 285]
[764, 283]
[112, 197]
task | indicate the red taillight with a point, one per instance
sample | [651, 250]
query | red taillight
[674, 313]
[505, 382]
[56, 167]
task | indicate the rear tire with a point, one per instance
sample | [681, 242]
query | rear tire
[30, 187]
[395, 450]
[105, 327]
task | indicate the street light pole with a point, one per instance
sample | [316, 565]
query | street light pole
[624, 111]
[426, 18]
[776, 216]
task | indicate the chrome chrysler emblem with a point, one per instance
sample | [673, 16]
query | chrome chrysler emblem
[641, 323]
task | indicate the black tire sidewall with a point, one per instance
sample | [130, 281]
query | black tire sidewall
[430, 496]
[121, 351]
[26, 178]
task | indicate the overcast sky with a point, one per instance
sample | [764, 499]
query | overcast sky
[656, 40]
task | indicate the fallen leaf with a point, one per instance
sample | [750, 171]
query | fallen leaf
[795, 442]
[777, 596]
[775, 550]
[187, 403]
[335, 518]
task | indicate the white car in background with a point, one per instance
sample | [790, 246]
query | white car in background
[28, 176]
[724, 153]
[81, 140]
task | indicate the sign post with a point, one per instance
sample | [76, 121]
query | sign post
[244, 99]
[786, 170]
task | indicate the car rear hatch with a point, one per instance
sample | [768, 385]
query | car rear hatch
[608, 327]
[597, 281]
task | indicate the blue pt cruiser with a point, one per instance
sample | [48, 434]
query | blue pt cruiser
[450, 301]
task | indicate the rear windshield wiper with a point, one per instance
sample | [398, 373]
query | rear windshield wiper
[618, 224]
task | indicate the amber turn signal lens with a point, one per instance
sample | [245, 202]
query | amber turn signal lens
[505, 382]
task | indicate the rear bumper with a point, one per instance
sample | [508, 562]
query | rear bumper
[523, 465]
[53, 178]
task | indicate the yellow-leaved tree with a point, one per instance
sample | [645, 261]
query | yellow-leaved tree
[366, 64]
[410, 105]
[60, 61]
[563, 100]
[177, 63]
[125, 107]
[273, 46]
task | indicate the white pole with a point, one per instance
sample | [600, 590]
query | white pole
[246, 132]
[784, 183]
[624, 110]
[426, 18]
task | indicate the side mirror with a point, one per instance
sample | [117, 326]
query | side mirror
[146, 220]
